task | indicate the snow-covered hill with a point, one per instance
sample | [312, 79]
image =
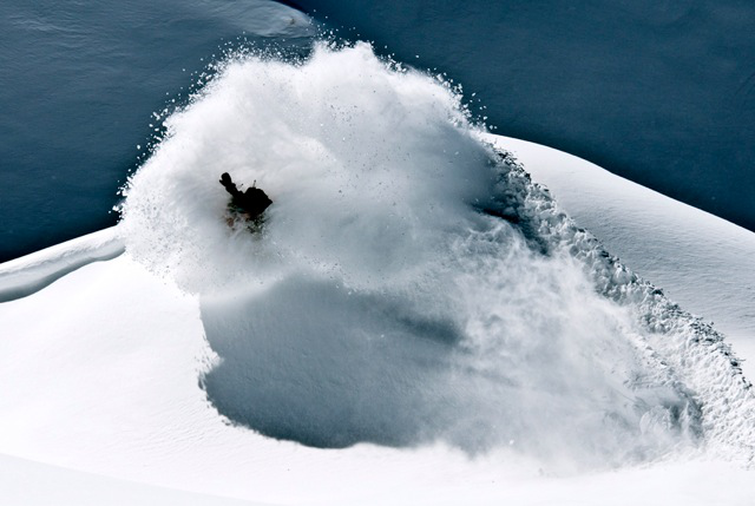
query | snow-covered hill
[417, 323]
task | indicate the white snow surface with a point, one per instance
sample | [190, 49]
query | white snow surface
[701, 261]
[417, 323]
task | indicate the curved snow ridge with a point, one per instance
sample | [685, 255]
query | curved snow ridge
[31, 273]
[691, 356]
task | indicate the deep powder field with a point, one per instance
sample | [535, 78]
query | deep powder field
[395, 294]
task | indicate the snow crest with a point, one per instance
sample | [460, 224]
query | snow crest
[410, 283]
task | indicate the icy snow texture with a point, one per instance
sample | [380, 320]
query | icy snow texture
[411, 284]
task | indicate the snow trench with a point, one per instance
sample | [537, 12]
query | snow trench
[410, 284]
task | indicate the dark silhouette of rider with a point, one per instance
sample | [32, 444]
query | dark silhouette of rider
[250, 203]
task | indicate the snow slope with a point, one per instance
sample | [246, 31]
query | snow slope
[107, 383]
[419, 322]
[701, 261]
[26, 482]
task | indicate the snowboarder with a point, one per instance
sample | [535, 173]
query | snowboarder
[250, 204]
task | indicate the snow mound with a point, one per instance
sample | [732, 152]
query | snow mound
[411, 284]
